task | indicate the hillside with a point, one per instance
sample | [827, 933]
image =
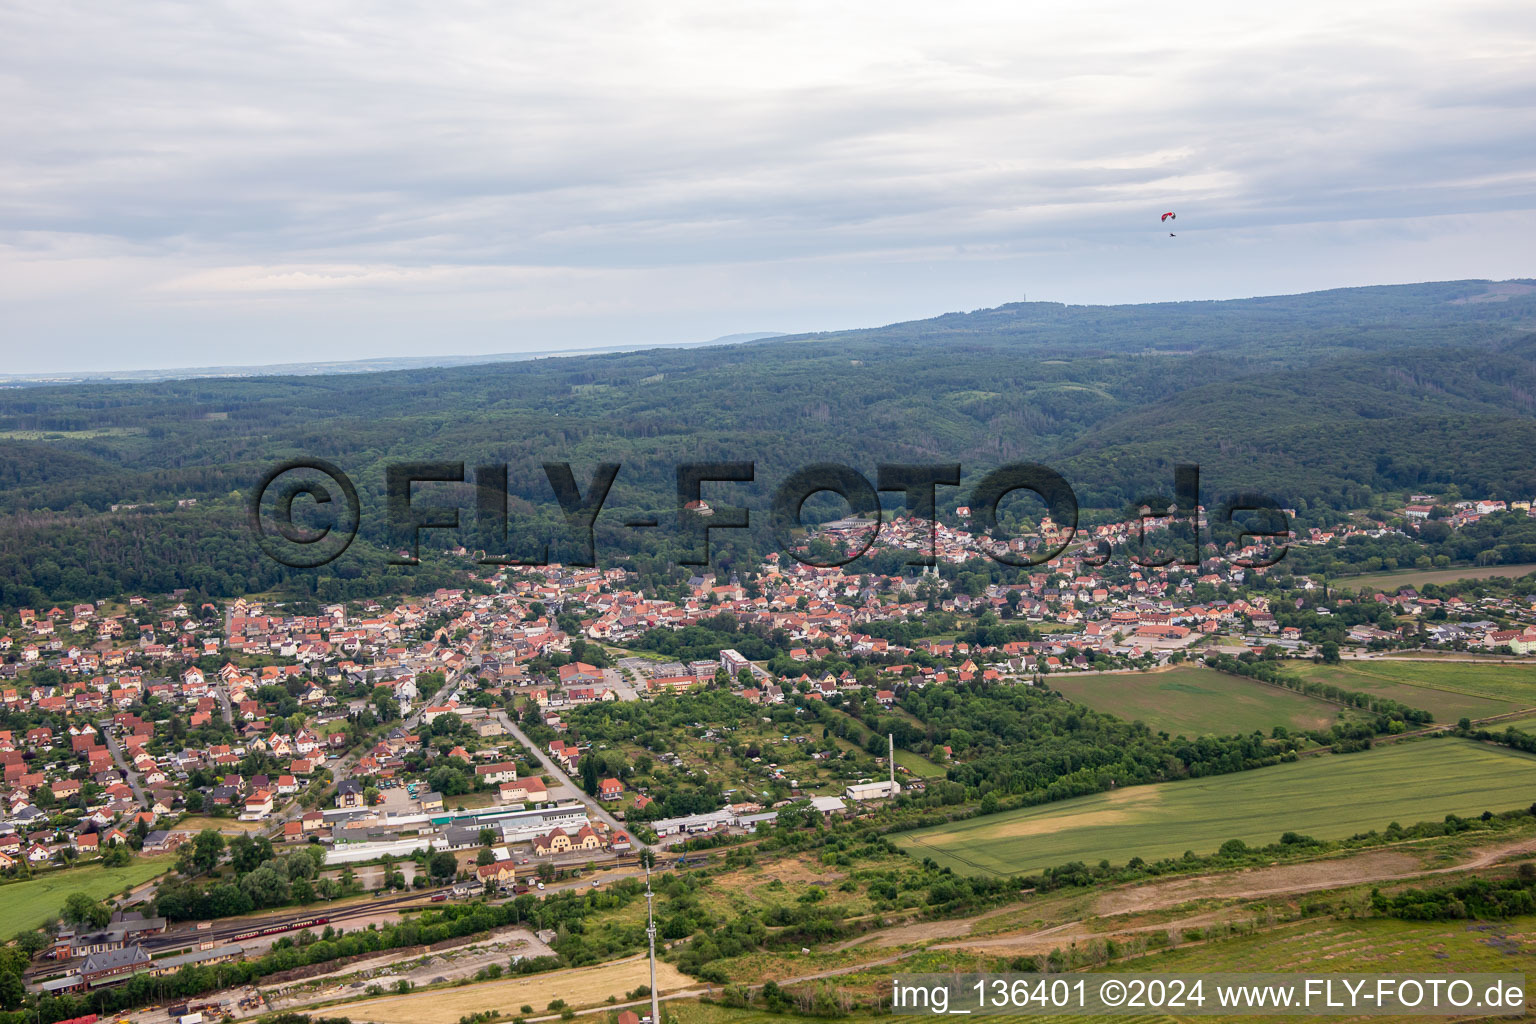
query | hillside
[1316, 399]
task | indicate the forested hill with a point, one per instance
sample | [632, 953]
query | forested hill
[1279, 329]
[1319, 400]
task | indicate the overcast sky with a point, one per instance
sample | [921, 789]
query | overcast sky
[202, 183]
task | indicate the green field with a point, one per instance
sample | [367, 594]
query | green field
[915, 763]
[1194, 701]
[1447, 690]
[689, 1011]
[1327, 797]
[1510, 681]
[1368, 946]
[1315, 945]
[1390, 581]
[32, 902]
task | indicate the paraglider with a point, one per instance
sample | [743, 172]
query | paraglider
[1170, 215]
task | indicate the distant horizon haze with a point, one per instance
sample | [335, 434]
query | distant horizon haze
[229, 185]
[364, 364]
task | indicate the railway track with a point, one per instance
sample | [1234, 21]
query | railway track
[235, 931]
[227, 932]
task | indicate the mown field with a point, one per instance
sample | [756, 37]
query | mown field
[1328, 797]
[32, 902]
[1318, 945]
[1194, 701]
[692, 1012]
[583, 986]
[1377, 945]
[1390, 581]
[1447, 690]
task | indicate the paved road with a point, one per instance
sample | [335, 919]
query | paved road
[105, 725]
[342, 768]
[559, 775]
[614, 680]
[450, 689]
[695, 991]
[222, 692]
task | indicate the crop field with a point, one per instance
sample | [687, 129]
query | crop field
[1390, 581]
[1447, 690]
[1370, 945]
[583, 986]
[32, 902]
[1320, 945]
[691, 1012]
[1511, 681]
[1328, 797]
[1193, 701]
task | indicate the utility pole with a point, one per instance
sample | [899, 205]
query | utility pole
[890, 739]
[650, 936]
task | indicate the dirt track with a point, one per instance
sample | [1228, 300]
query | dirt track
[922, 931]
[1373, 866]
[581, 986]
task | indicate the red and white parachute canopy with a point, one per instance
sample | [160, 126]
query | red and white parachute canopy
[1170, 216]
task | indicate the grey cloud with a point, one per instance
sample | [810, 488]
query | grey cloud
[161, 142]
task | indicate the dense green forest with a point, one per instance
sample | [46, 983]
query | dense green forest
[1322, 401]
